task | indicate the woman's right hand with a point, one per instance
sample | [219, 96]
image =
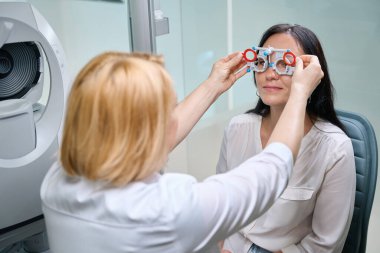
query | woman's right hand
[307, 75]
[226, 71]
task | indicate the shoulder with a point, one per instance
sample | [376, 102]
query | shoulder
[156, 199]
[172, 200]
[243, 121]
[54, 175]
[176, 183]
[245, 118]
[332, 138]
[330, 133]
[170, 193]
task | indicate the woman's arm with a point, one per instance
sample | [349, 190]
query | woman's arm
[223, 75]
[290, 126]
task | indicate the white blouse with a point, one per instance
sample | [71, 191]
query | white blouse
[169, 213]
[314, 212]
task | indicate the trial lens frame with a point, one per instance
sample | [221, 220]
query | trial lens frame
[284, 60]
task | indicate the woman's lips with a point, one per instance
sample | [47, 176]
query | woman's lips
[272, 88]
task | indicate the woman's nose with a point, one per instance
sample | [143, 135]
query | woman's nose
[271, 73]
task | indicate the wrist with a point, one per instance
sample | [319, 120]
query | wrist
[298, 95]
[212, 88]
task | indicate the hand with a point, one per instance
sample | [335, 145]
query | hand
[225, 71]
[307, 75]
[220, 245]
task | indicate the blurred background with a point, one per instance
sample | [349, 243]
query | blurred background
[202, 31]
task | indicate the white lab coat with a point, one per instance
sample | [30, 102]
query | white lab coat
[170, 213]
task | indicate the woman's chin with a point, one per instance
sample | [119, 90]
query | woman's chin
[273, 102]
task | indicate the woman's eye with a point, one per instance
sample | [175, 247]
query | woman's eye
[281, 65]
[260, 63]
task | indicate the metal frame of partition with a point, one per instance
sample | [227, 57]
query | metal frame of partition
[145, 24]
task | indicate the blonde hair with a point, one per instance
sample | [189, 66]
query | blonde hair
[117, 118]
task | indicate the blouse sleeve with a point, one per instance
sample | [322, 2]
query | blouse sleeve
[227, 202]
[239, 136]
[221, 167]
[334, 206]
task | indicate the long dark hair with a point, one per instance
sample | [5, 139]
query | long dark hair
[321, 102]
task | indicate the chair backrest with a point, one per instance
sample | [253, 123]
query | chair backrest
[363, 138]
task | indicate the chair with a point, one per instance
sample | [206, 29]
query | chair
[363, 138]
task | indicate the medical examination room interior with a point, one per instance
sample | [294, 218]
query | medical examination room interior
[202, 31]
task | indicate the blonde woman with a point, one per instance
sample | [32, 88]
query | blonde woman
[106, 195]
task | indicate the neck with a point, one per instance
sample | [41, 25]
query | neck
[270, 121]
[272, 118]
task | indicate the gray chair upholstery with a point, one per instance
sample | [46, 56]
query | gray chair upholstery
[360, 130]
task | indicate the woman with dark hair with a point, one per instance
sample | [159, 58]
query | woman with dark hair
[314, 212]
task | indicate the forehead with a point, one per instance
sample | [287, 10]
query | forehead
[284, 41]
